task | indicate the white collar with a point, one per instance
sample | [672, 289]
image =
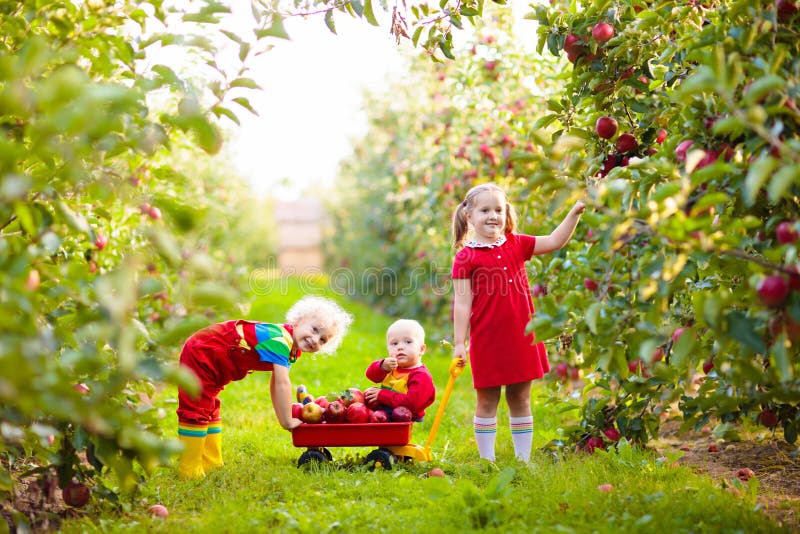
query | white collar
[474, 244]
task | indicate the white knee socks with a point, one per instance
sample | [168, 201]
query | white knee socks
[522, 436]
[485, 434]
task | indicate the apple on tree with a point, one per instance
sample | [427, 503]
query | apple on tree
[76, 494]
[606, 127]
[773, 290]
[768, 418]
[602, 32]
[786, 233]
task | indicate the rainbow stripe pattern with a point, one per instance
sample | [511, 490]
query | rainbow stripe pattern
[195, 431]
[485, 428]
[525, 427]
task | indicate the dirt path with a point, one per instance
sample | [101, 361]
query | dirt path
[773, 461]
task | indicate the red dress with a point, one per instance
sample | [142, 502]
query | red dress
[500, 351]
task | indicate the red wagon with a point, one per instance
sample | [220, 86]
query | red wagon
[392, 439]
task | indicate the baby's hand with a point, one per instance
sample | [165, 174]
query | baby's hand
[371, 395]
[389, 364]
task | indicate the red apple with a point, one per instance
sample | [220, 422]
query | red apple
[612, 434]
[322, 401]
[81, 388]
[561, 370]
[378, 416]
[312, 413]
[745, 474]
[401, 414]
[605, 488]
[538, 290]
[436, 472]
[708, 365]
[76, 494]
[677, 334]
[100, 241]
[657, 356]
[33, 280]
[572, 45]
[357, 412]
[352, 395]
[710, 157]
[773, 290]
[661, 136]
[768, 418]
[154, 213]
[602, 32]
[786, 9]
[683, 147]
[713, 448]
[334, 413]
[158, 510]
[606, 127]
[593, 443]
[297, 410]
[574, 373]
[786, 233]
[626, 143]
[589, 284]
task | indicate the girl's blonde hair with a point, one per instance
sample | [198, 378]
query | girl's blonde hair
[324, 309]
[460, 225]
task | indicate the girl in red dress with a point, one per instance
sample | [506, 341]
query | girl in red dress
[493, 303]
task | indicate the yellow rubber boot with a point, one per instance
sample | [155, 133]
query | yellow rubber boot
[193, 437]
[212, 452]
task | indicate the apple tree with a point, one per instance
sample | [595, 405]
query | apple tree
[118, 235]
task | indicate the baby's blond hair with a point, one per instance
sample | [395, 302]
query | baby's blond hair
[414, 325]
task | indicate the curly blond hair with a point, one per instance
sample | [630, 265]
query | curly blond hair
[325, 309]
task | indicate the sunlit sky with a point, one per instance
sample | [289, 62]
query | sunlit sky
[311, 105]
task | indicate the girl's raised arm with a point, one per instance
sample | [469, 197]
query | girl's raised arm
[559, 237]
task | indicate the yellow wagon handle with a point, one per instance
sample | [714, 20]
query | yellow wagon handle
[456, 367]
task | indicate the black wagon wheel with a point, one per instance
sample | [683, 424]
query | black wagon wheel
[312, 455]
[327, 454]
[380, 457]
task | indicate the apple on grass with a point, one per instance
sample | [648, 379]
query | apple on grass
[745, 474]
[436, 472]
[158, 510]
[605, 488]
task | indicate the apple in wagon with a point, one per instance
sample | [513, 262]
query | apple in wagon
[401, 414]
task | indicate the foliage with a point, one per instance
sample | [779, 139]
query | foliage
[660, 295]
[116, 229]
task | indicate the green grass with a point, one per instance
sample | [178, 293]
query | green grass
[260, 488]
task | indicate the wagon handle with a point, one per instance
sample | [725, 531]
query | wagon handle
[456, 367]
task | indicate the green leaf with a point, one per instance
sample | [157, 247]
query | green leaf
[329, 21]
[275, 30]
[417, 33]
[759, 88]
[245, 82]
[369, 14]
[358, 7]
[220, 111]
[444, 46]
[756, 177]
[592, 313]
[781, 181]
[245, 103]
[743, 330]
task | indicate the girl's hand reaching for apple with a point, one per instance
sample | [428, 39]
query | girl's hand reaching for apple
[293, 423]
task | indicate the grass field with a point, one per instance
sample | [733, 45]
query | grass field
[260, 489]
